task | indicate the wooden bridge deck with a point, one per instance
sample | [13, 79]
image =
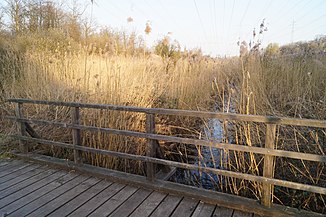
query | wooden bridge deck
[31, 189]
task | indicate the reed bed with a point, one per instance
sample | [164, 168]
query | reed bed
[253, 84]
[92, 77]
[290, 86]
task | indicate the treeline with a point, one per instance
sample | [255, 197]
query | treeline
[66, 26]
[31, 16]
[316, 47]
[62, 26]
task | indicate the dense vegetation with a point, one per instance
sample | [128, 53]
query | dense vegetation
[52, 52]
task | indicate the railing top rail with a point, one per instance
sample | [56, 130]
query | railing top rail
[189, 113]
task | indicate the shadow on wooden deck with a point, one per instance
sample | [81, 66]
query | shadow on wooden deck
[31, 189]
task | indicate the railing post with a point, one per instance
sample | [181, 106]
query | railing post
[150, 128]
[76, 135]
[21, 129]
[268, 171]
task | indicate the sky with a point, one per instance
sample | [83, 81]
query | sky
[215, 26]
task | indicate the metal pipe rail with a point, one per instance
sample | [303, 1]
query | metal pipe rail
[268, 151]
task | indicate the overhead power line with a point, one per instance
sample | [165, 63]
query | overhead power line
[231, 18]
[200, 20]
[245, 13]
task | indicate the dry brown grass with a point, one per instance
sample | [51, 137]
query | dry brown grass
[283, 86]
[290, 86]
[100, 78]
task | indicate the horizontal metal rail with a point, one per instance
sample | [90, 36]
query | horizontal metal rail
[189, 113]
[298, 186]
[213, 144]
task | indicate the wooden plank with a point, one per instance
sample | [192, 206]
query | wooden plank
[25, 210]
[10, 162]
[163, 175]
[40, 173]
[8, 169]
[206, 143]
[21, 129]
[165, 171]
[150, 152]
[29, 189]
[178, 112]
[114, 202]
[131, 203]
[222, 212]
[3, 214]
[147, 206]
[4, 162]
[238, 213]
[18, 176]
[204, 210]
[76, 135]
[78, 201]
[64, 198]
[167, 206]
[186, 207]
[268, 170]
[222, 199]
[98, 200]
[289, 184]
[12, 207]
[31, 131]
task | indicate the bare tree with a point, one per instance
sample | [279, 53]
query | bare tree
[1, 19]
[16, 12]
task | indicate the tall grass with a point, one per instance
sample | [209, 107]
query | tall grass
[253, 84]
[85, 75]
[290, 86]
